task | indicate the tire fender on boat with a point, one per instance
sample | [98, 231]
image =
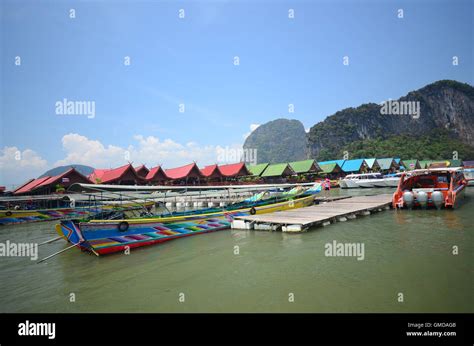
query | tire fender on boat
[8, 213]
[252, 211]
[123, 226]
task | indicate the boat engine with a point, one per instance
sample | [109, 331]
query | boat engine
[437, 198]
[422, 198]
[408, 199]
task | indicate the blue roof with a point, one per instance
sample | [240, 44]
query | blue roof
[339, 162]
[397, 161]
[352, 165]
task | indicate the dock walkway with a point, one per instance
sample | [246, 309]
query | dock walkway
[299, 220]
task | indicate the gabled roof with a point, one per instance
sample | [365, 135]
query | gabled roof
[455, 163]
[386, 163]
[410, 164]
[57, 178]
[425, 163]
[370, 162]
[154, 172]
[330, 168]
[339, 162]
[183, 171]
[468, 163]
[211, 171]
[257, 169]
[353, 165]
[305, 166]
[278, 170]
[234, 169]
[30, 185]
[439, 164]
[109, 175]
[142, 170]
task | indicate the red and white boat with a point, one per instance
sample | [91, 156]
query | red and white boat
[432, 187]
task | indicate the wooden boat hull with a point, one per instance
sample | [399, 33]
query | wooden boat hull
[104, 237]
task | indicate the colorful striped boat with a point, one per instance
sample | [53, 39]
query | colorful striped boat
[105, 236]
[9, 217]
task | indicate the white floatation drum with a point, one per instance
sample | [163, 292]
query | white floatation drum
[422, 198]
[408, 199]
[438, 199]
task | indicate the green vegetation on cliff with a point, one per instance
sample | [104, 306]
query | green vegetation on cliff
[439, 144]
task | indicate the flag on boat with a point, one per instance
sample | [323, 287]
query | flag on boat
[65, 180]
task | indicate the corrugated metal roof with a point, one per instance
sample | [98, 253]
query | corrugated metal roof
[370, 162]
[455, 163]
[277, 170]
[386, 163]
[351, 166]
[410, 164]
[108, 175]
[234, 169]
[31, 185]
[257, 169]
[468, 163]
[339, 162]
[210, 170]
[183, 171]
[154, 172]
[424, 163]
[329, 168]
[304, 166]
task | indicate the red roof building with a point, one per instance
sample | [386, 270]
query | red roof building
[157, 176]
[211, 172]
[188, 173]
[124, 175]
[234, 170]
[142, 171]
[46, 185]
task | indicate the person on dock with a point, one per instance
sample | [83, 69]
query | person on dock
[327, 186]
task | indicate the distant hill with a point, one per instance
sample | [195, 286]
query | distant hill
[445, 125]
[279, 140]
[86, 170]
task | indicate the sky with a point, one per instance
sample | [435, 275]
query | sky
[179, 81]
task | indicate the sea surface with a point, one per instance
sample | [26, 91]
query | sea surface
[408, 256]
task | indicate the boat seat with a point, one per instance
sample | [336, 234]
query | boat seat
[120, 239]
[181, 230]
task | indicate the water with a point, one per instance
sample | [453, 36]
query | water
[407, 252]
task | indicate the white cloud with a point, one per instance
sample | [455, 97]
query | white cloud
[17, 166]
[253, 127]
[148, 150]
[307, 130]
[83, 150]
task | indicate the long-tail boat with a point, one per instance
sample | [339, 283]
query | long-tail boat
[432, 187]
[9, 217]
[108, 236]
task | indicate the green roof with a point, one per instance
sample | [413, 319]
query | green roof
[257, 169]
[304, 166]
[410, 164]
[329, 167]
[455, 163]
[277, 170]
[385, 163]
[425, 163]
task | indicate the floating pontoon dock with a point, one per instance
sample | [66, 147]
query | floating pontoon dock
[299, 220]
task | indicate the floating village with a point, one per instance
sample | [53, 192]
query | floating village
[117, 209]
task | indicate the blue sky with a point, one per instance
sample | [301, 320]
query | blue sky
[190, 61]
